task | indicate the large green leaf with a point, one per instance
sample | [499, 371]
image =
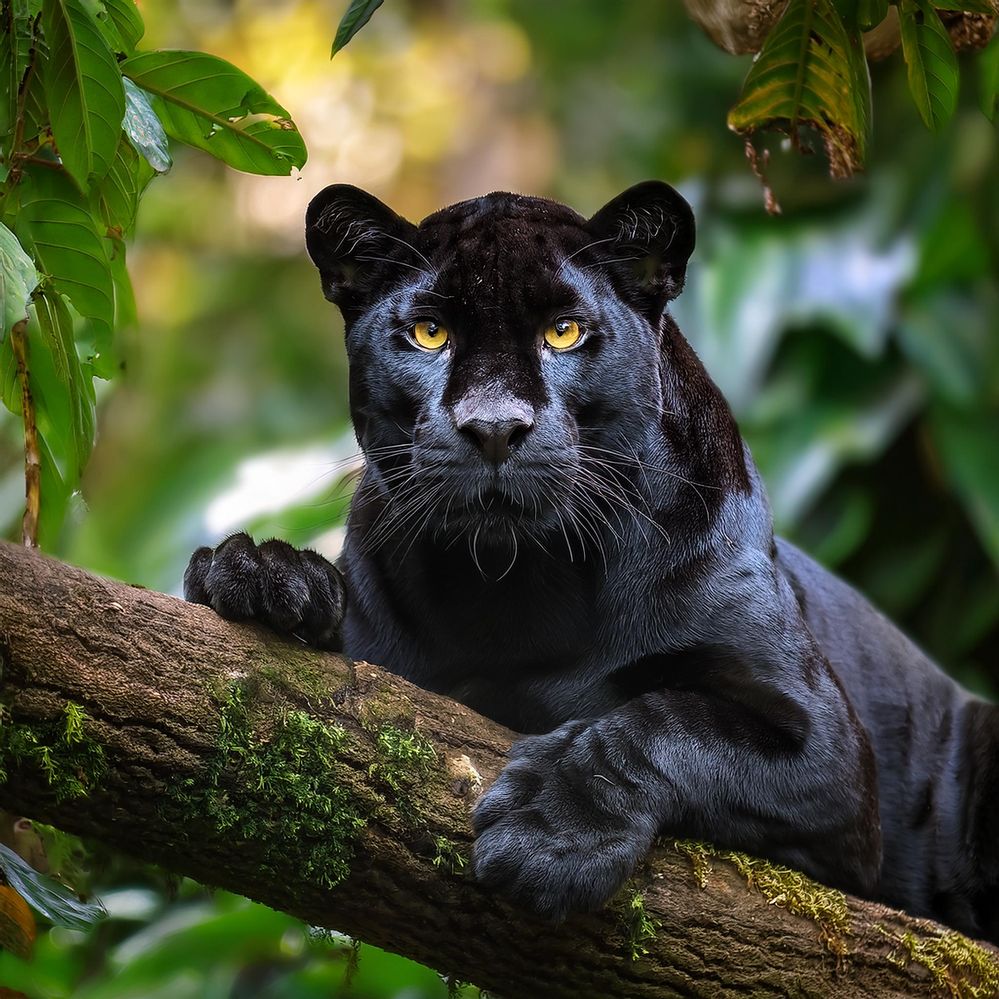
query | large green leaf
[56, 224]
[810, 72]
[83, 89]
[145, 129]
[951, 339]
[116, 199]
[207, 102]
[988, 79]
[931, 62]
[356, 17]
[19, 35]
[121, 23]
[63, 387]
[870, 13]
[966, 441]
[62, 394]
[971, 6]
[18, 278]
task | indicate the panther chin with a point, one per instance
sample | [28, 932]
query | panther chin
[498, 522]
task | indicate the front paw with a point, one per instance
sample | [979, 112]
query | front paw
[290, 590]
[557, 831]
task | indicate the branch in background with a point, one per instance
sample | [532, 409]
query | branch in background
[741, 26]
[811, 72]
[340, 793]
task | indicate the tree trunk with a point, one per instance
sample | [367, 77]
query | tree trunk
[340, 793]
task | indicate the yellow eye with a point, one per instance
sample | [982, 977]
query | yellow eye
[563, 334]
[429, 335]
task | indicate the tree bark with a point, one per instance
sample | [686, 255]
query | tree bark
[340, 793]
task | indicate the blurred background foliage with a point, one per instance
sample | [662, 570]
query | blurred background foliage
[856, 337]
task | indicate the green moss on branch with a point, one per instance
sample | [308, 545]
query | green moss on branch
[72, 762]
[278, 781]
[955, 963]
[782, 886]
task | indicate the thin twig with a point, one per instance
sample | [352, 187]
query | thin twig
[32, 458]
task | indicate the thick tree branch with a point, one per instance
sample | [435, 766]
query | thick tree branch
[340, 793]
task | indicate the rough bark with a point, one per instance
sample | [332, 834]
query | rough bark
[184, 740]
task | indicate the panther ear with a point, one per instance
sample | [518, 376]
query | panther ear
[352, 237]
[647, 234]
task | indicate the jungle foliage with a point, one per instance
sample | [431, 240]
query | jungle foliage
[855, 336]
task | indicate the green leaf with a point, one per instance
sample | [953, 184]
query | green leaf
[971, 6]
[65, 403]
[121, 23]
[207, 102]
[356, 17]
[46, 895]
[988, 79]
[57, 226]
[966, 444]
[931, 62]
[62, 393]
[125, 312]
[115, 200]
[83, 89]
[18, 279]
[17, 39]
[808, 73]
[949, 337]
[870, 13]
[145, 129]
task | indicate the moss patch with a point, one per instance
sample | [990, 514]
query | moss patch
[448, 856]
[275, 781]
[782, 886]
[309, 679]
[956, 964]
[639, 927]
[404, 761]
[72, 762]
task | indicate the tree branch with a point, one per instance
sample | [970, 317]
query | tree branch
[741, 26]
[340, 793]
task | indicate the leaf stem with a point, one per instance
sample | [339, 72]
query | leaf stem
[16, 156]
[32, 457]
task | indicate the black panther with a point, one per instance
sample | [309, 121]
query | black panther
[559, 524]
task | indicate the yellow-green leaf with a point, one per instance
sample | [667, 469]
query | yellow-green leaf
[810, 72]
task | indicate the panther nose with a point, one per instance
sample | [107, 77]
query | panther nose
[495, 438]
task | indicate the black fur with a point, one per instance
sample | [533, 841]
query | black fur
[595, 564]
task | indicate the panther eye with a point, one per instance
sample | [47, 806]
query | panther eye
[429, 335]
[563, 334]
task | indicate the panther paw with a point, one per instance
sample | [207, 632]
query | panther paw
[293, 591]
[553, 832]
